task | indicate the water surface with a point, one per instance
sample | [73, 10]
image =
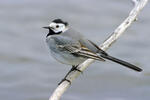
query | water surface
[28, 72]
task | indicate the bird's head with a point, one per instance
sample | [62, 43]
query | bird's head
[57, 26]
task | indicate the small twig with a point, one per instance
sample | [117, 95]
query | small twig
[139, 4]
[135, 2]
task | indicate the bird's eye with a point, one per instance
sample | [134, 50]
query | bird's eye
[57, 26]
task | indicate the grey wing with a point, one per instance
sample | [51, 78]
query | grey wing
[99, 49]
[92, 46]
[75, 48]
[83, 41]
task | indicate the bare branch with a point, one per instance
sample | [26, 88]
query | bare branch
[135, 2]
[139, 4]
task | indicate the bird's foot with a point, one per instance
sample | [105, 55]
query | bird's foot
[75, 68]
[64, 80]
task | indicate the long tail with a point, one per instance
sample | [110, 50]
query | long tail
[124, 63]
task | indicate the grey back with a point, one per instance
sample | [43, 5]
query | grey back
[71, 33]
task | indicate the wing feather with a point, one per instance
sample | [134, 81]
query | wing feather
[75, 47]
[82, 51]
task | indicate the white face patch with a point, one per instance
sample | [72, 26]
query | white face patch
[58, 27]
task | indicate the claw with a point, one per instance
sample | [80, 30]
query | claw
[72, 69]
[64, 80]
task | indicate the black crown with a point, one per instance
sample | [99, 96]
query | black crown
[60, 21]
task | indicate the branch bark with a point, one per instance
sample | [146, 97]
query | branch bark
[138, 6]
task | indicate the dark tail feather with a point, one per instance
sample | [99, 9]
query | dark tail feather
[126, 64]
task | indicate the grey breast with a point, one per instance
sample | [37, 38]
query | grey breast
[60, 54]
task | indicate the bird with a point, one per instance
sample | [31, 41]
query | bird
[70, 47]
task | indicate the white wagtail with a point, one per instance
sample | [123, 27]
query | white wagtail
[72, 48]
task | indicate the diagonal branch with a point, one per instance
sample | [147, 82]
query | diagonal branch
[139, 4]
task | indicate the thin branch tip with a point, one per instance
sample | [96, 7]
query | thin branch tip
[135, 2]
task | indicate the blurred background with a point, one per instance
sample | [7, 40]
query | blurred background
[28, 72]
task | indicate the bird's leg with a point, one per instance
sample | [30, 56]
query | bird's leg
[72, 69]
[75, 68]
[64, 79]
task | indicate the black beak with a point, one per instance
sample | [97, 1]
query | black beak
[46, 27]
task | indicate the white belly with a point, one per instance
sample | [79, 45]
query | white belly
[63, 56]
[67, 58]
